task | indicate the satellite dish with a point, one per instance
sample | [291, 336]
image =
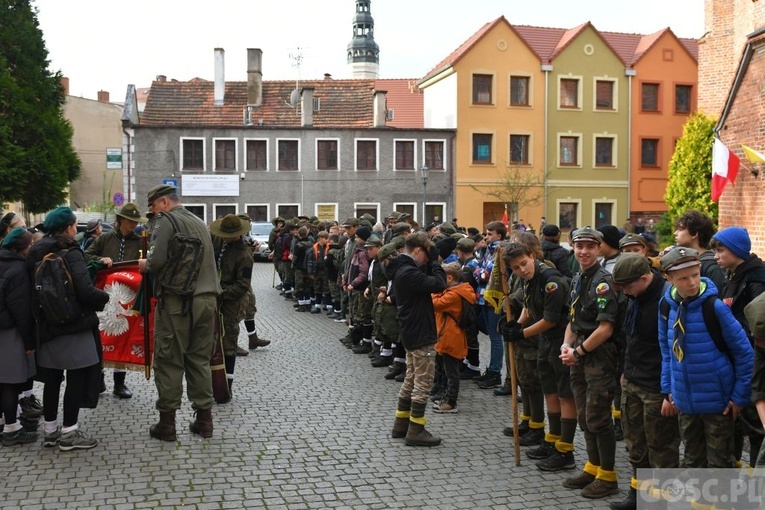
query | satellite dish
[294, 98]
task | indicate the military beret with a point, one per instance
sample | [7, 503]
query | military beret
[447, 228]
[13, 236]
[466, 245]
[587, 234]
[160, 191]
[130, 212]
[755, 315]
[386, 251]
[401, 227]
[58, 219]
[629, 267]
[679, 258]
[632, 239]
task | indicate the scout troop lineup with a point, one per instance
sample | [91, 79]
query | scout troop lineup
[630, 340]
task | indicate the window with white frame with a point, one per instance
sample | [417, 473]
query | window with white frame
[288, 155]
[605, 150]
[409, 208]
[568, 214]
[570, 92]
[604, 213]
[221, 210]
[435, 154]
[225, 154]
[434, 212]
[257, 212]
[366, 154]
[256, 155]
[192, 154]
[327, 154]
[405, 156]
[198, 210]
[605, 94]
[362, 208]
[288, 210]
[569, 149]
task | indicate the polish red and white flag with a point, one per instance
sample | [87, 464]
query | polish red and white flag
[724, 168]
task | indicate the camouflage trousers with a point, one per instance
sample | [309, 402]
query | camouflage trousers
[420, 371]
[593, 385]
[554, 376]
[360, 308]
[652, 440]
[230, 315]
[526, 366]
[249, 306]
[334, 289]
[708, 440]
[320, 284]
[288, 276]
[302, 282]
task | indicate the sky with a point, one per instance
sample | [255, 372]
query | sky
[108, 44]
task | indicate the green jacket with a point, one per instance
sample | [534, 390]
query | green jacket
[207, 282]
[108, 245]
[235, 270]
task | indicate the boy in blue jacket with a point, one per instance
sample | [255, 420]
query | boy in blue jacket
[705, 385]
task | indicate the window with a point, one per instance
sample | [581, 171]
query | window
[406, 207]
[569, 93]
[519, 90]
[193, 154]
[569, 150]
[225, 154]
[257, 155]
[435, 212]
[519, 149]
[288, 155]
[481, 149]
[405, 155]
[650, 97]
[372, 209]
[288, 210]
[198, 210]
[257, 212]
[482, 88]
[604, 95]
[604, 151]
[603, 214]
[326, 154]
[434, 155]
[221, 210]
[366, 155]
[649, 152]
[682, 99]
[567, 214]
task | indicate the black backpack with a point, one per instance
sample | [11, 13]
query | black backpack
[468, 319]
[55, 299]
[184, 260]
[711, 322]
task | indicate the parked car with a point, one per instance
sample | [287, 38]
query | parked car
[259, 233]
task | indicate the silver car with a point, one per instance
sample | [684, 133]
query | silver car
[259, 233]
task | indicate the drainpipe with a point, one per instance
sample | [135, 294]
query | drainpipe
[629, 73]
[129, 143]
[547, 69]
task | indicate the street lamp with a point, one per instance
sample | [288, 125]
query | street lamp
[424, 171]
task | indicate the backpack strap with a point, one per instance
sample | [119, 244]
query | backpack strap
[713, 325]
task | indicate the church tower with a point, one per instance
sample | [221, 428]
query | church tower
[363, 52]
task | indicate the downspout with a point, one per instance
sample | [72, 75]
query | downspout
[630, 73]
[127, 134]
[546, 68]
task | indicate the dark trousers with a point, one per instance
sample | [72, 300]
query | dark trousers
[75, 389]
[447, 378]
[9, 401]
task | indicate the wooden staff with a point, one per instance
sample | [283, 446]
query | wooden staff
[146, 311]
[511, 357]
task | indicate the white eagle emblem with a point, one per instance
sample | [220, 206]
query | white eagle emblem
[112, 320]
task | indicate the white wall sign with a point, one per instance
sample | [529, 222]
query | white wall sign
[210, 185]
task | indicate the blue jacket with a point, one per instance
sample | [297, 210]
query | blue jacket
[703, 381]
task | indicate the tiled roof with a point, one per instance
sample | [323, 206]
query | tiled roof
[568, 36]
[344, 103]
[623, 45]
[541, 40]
[692, 45]
[406, 100]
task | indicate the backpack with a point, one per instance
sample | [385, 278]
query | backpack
[468, 319]
[184, 256]
[55, 299]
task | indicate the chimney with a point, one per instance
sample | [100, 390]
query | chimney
[254, 77]
[103, 96]
[65, 85]
[379, 108]
[161, 78]
[327, 77]
[220, 80]
[306, 106]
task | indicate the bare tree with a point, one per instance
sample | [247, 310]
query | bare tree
[517, 186]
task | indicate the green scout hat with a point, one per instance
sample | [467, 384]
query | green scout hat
[277, 220]
[388, 250]
[160, 191]
[244, 217]
[587, 234]
[679, 258]
[229, 226]
[630, 239]
[130, 212]
[755, 315]
[58, 219]
[629, 267]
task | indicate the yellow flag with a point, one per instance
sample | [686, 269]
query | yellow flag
[752, 155]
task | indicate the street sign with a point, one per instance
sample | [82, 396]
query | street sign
[118, 199]
[171, 182]
[114, 158]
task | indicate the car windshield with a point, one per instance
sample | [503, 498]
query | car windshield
[261, 229]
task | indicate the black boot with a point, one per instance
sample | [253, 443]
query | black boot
[120, 389]
[398, 367]
[618, 432]
[628, 503]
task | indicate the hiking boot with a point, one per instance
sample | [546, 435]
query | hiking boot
[316, 309]
[396, 369]
[532, 437]
[333, 315]
[303, 308]
[481, 377]
[504, 390]
[341, 318]
[29, 424]
[21, 436]
[165, 429]
[375, 352]
[363, 348]
[469, 374]
[255, 342]
[545, 451]
[76, 440]
[600, 489]
[400, 428]
[618, 432]
[558, 462]
[241, 351]
[628, 503]
[382, 361]
[122, 391]
[202, 423]
[492, 381]
[446, 406]
[400, 377]
[579, 481]
[31, 407]
[51, 439]
[523, 428]
[418, 436]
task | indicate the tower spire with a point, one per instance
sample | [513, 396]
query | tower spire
[363, 52]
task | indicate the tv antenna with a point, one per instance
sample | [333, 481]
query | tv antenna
[297, 60]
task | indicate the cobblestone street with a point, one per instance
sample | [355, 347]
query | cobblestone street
[309, 427]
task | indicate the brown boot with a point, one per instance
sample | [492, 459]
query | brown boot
[401, 423]
[417, 435]
[256, 342]
[202, 423]
[579, 481]
[165, 429]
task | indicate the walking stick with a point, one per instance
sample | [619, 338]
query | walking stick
[146, 309]
[511, 358]
[273, 277]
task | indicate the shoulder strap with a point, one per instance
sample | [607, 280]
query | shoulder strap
[713, 324]
[173, 221]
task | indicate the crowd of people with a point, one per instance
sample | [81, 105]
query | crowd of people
[609, 336]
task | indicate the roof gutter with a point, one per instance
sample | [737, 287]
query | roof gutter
[436, 78]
